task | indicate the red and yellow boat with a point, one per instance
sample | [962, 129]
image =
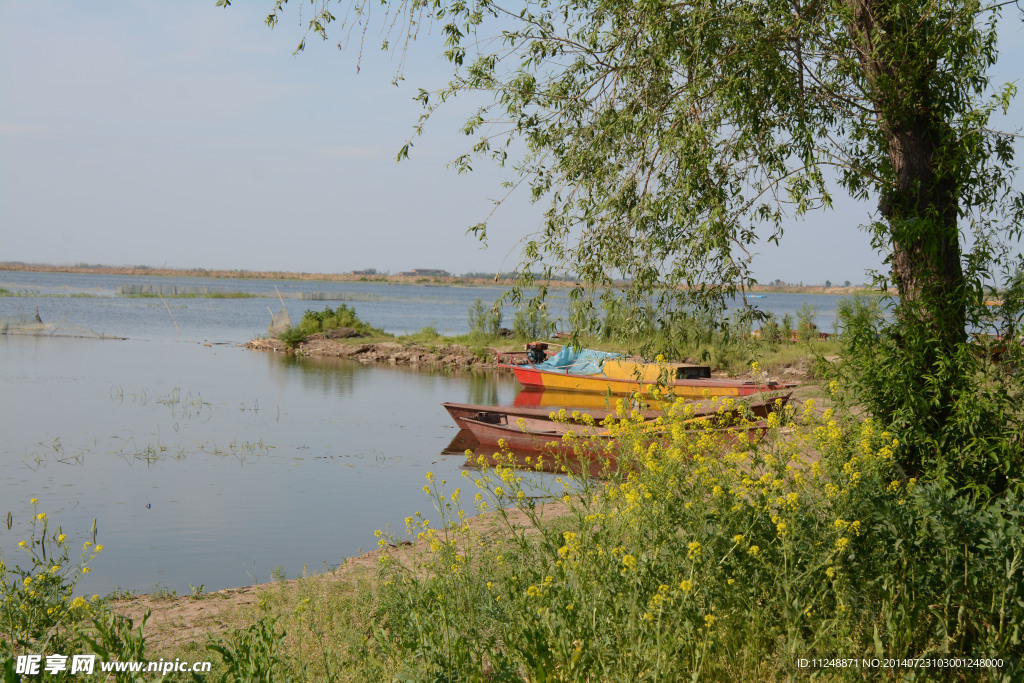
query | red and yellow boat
[584, 370]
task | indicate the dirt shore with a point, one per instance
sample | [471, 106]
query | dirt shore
[451, 356]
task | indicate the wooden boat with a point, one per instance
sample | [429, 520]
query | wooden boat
[760, 408]
[606, 382]
[460, 411]
[585, 370]
[544, 436]
[529, 434]
[559, 458]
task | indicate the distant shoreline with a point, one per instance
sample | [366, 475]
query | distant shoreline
[351, 277]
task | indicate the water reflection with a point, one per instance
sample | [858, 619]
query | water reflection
[483, 387]
[576, 400]
[462, 441]
[335, 376]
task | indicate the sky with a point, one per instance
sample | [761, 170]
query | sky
[184, 135]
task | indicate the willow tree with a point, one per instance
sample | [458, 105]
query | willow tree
[669, 137]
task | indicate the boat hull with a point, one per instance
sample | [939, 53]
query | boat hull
[579, 415]
[460, 411]
[683, 388]
[545, 436]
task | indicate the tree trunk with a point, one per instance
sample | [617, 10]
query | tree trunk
[920, 205]
[921, 212]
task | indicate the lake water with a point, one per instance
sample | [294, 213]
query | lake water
[204, 463]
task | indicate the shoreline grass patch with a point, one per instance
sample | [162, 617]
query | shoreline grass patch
[325, 321]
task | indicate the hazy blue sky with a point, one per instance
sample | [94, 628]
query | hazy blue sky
[181, 134]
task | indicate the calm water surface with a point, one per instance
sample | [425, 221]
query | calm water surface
[211, 464]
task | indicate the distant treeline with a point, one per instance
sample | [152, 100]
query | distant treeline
[568, 277]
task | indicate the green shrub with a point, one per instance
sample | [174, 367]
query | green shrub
[964, 427]
[583, 317]
[787, 327]
[293, 336]
[484, 321]
[806, 329]
[314, 322]
[532, 322]
[770, 333]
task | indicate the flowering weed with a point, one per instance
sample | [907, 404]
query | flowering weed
[707, 556]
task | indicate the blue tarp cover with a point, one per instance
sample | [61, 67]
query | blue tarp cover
[577, 361]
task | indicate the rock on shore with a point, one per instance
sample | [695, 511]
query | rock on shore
[395, 353]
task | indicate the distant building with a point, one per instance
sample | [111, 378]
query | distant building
[426, 272]
[368, 271]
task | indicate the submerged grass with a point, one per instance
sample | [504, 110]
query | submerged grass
[147, 291]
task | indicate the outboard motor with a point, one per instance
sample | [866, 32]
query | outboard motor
[535, 352]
